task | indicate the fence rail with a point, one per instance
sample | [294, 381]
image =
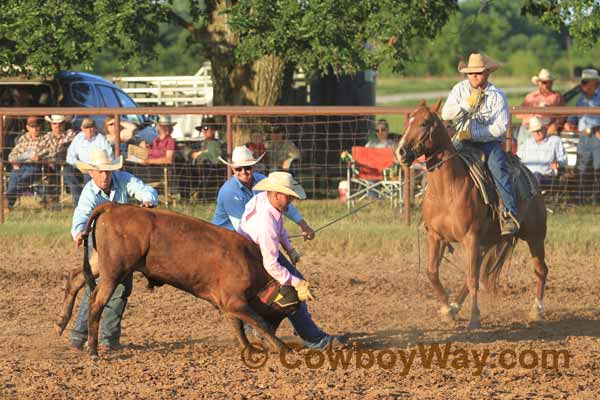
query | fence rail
[319, 133]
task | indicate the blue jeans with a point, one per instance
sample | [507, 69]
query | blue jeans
[496, 163]
[301, 320]
[20, 179]
[588, 152]
[111, 315]
[73, 181]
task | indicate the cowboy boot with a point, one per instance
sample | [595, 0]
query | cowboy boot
[510, 224]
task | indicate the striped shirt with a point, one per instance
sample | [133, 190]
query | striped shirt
[491, 120]
[538, 156]
[57, 146]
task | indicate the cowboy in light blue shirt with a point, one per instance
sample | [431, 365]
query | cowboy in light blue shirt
[237, 191]
[542, 154]
[106, 184]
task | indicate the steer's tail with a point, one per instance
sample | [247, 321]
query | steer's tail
[91, 227]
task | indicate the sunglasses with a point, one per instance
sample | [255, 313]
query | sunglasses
[247, 168]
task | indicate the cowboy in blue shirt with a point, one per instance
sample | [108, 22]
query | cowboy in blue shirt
[106, 184]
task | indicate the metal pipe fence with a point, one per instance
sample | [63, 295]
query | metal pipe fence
[306, 141]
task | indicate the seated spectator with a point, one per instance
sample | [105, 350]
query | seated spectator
[543, 96]
[79, 150]
[162, 150]
[57, 142]
[542, 154]
[29, 150]
[128, 130]
[210, 149]
[382, 141]
[282, 154]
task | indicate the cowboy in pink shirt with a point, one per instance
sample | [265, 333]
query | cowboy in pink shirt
[262, 223]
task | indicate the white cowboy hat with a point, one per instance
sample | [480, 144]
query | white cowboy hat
[535, 124]
[56, 119]
[242, 157]
[478, 63]
[281, 182]
[100, 161]
[165, 120]
[544, 76]
[589, 75]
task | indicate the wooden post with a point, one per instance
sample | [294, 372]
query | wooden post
[508, 145]
[229, 136]
[1, 169]
[118, 135]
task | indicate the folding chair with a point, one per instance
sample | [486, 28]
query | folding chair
[373, 172]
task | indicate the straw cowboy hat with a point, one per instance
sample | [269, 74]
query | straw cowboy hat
[56, 119]
[242, 157]
[166, 120]
[590, 75]
[281, 182]
[544, 76]
[100, 161]
[535, 124]
[478, 63]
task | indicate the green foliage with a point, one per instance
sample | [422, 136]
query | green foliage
[340, 35]
[44, 36]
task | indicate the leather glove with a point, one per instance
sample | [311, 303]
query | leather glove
[464, 135]
[472, 100]
[304, 293]
[294, 256]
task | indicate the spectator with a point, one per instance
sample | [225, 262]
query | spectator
[80, 149]
[544, 96]
[282, 154]
[162, 150]
[588, 126]
[382, 141]
[542, 154]
[57, 142]
[128, 130]
[107, 184]
[24, 157]
[210, 149]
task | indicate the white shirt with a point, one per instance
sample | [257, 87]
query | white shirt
[491, 120]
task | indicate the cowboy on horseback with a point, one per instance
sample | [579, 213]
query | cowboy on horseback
[479, 112]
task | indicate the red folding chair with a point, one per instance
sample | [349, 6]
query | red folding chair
[374, 172]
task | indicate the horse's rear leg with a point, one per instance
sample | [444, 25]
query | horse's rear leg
[73, 284]
[436, 250]
[538, 254]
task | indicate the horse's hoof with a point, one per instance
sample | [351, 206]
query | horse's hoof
[449, 312]
[535, 315]
[474, 325]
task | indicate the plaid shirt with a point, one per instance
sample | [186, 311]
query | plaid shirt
[57, 147]
[26, 147]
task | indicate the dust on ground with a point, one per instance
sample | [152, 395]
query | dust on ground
[177, 346]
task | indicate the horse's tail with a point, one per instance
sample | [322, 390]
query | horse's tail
[493, 262]
[91, 227]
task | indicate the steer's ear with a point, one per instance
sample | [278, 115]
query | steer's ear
[436, 107]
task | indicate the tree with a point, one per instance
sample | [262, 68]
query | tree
[250, 43]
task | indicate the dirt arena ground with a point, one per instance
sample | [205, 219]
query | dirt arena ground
[176, 346]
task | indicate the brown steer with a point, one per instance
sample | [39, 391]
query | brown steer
[195, 256]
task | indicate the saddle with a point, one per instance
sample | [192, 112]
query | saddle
[523, 181]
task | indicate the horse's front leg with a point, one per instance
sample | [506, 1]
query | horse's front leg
[474, 262]
[436, 250]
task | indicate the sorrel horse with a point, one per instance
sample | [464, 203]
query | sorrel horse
[454, 211]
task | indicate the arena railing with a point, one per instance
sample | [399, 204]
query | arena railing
[319, 133]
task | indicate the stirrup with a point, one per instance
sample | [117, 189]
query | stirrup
[509, 225]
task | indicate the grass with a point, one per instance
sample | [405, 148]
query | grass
[376, 231]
